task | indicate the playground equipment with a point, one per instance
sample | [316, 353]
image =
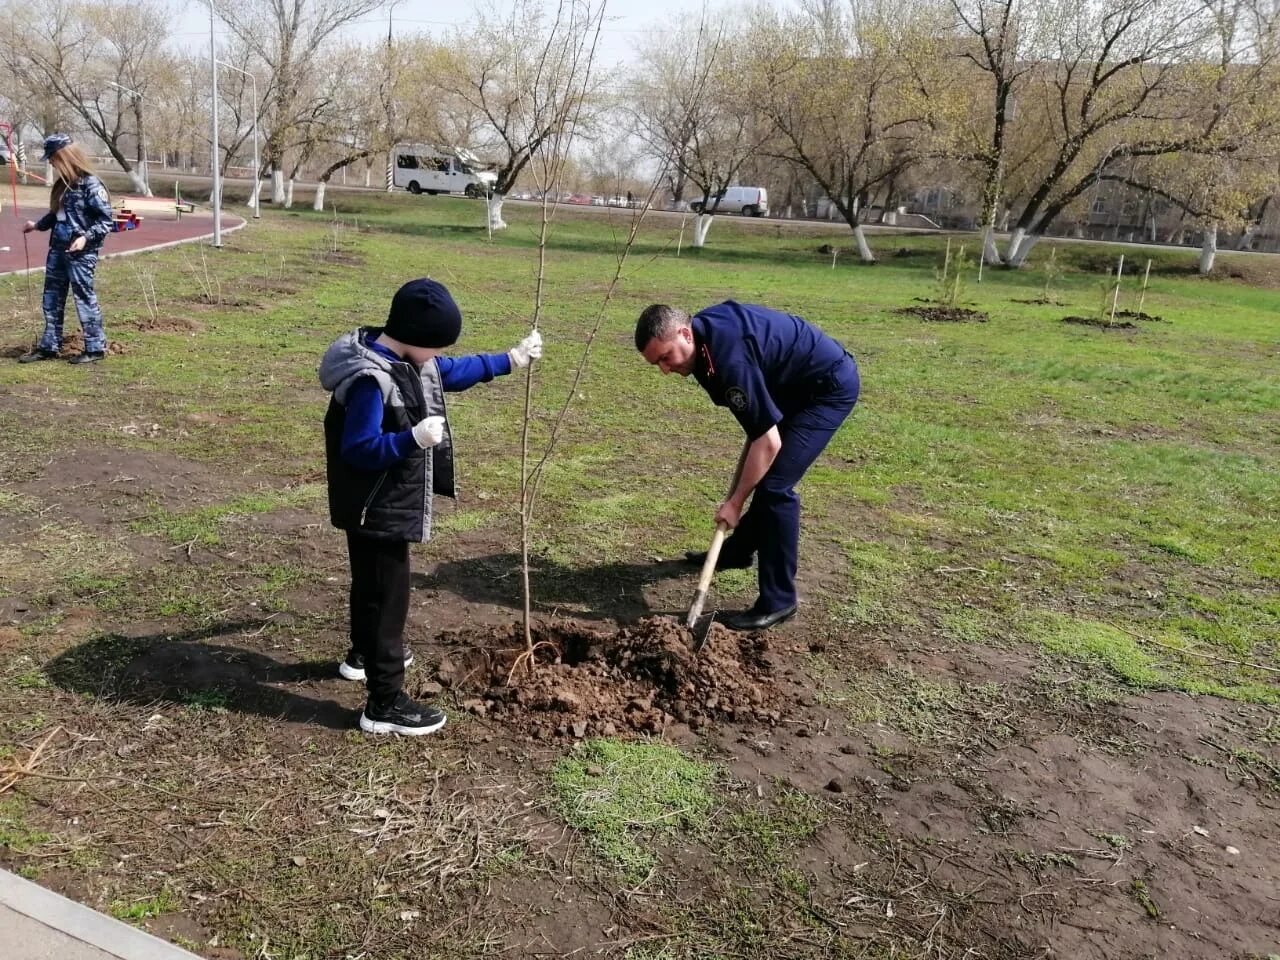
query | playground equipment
[181, 206]
[125, 219]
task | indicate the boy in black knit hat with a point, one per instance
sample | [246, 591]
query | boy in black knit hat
[389, 449]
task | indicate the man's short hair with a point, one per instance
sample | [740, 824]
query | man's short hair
[658, 322]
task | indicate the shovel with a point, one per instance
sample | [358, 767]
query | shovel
[704, 584]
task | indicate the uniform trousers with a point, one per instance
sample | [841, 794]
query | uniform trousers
[65, 271]
[771, 526]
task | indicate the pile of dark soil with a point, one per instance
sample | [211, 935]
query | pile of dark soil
[588, 681]
[941, 314]
[1139, 315]
[1041, 302]
[1095, 322]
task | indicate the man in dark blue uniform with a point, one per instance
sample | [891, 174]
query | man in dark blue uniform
[790, 386]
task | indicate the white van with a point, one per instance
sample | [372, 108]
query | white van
[424, 169]
[748, 201]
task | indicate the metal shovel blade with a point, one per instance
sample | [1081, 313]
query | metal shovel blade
[704, 585]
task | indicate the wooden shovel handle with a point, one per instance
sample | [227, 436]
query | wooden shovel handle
[713, 554]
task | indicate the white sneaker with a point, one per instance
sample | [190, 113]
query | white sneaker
[352, 668]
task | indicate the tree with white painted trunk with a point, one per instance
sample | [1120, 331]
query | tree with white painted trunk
[853, 95]
[1218, 160]
[998, 41]
[1134, 80]
[77, 50]
[355, 126]
[691, 107]
[526, 74]
[668, 98]
[291, 39]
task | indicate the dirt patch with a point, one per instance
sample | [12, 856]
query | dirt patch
[943, 314]
[590, 681]
[343, 258]
[72, 345]
[168, 324]
[1139, 315]
[1103, 324]
[221, 301]
[1041, 302]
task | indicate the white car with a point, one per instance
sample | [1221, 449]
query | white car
[748, 201]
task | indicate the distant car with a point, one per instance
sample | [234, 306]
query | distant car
[748, 201]
[597, 201]
[580, 198]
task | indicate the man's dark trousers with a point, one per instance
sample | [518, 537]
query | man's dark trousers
[379, 608]
[771, 526]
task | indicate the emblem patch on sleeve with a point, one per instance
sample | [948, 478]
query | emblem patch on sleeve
[736, 397]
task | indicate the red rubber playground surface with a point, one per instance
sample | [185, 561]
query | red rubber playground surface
[159, 227]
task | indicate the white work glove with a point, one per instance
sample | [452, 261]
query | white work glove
[428, 432]
[530, 348]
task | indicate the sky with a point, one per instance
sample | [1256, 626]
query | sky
[626, 21]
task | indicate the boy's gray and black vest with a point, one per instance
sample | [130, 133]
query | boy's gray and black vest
[393, 504]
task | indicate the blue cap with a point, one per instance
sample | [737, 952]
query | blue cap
[53, 143]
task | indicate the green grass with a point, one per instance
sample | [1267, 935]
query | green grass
[17, 836]
[144, 909]
[625, 797]
[1104, 503]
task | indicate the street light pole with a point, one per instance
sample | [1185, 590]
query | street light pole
[390, 102]
[217, 173]
[257, 183]
[142, 145]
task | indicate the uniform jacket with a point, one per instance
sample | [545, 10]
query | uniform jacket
[766, 366]
[392, 504]
[88, 208]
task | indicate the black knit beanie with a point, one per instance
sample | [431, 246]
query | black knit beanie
[423, 314]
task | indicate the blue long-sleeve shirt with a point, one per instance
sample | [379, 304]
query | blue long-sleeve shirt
[365, 446]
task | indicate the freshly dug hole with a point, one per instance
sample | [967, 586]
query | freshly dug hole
[590, 681]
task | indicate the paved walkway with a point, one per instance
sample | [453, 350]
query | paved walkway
[38, 924]
[160, 228]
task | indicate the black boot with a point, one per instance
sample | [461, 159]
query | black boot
[87, 357]
[751, 620]
[36, 355]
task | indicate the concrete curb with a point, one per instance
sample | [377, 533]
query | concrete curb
[38, 924]
[133, 253]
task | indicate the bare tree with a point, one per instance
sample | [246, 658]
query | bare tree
[356, 126]
[101, 58]
[1171, 79]
[526, 75]
[691, 106]
[999, 38]
[289, 37]
[847, 92]
[664, 93]
[1124, 80]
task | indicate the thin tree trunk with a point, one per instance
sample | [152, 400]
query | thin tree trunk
[318, 202]
[1209, 250]
[700, 227]
[494, 204]
[1018, 257]
[865, 253]
[990, 252]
